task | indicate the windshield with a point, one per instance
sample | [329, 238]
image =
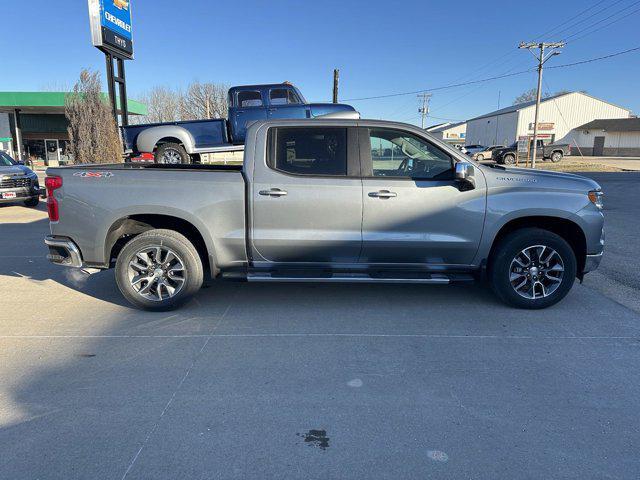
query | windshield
[6, 160]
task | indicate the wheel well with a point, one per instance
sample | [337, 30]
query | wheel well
[568, 230]
[129, 227]
[168, 140]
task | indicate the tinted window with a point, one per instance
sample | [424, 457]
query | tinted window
[310, 151]
[250, 99]
[399, 154]
[283, 96]
[5, 160]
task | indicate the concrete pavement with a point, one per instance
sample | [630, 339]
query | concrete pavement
[317, 381]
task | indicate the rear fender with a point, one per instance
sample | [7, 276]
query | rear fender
[149, 138]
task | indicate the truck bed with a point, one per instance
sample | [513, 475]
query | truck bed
[95, 199]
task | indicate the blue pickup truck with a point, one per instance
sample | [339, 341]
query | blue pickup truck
[184, 141]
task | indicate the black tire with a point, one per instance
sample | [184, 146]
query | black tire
[507, 250]
[172, 153]
[556, 157]
[185, 252]
[509, 159]
[32, 202]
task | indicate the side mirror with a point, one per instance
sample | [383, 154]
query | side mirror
[464, 176]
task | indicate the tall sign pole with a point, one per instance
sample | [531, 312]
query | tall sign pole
[112, 33]
[552, 50]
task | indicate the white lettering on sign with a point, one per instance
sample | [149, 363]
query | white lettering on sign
[116, 21]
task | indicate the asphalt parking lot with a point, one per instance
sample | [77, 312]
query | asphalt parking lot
[318, 381]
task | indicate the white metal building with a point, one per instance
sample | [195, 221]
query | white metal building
[454, 133]
[618, 137]
[559, 114]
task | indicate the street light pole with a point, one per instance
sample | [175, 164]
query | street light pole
[541, 61]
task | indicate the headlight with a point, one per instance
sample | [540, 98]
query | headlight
[596, 198]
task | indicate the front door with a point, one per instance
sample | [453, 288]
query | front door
[414, 212]
[51, 147]
[598, 146]
[284, 103]
[307, 197]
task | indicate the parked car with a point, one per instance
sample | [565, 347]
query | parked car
[486, 153]
[328, 201]
[183, 142]
[471, 149]
[554, 152]
[18, 183]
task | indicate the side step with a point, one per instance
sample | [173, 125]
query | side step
[434, 278]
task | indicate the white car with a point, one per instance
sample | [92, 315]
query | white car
[486, 153]
[472, 149]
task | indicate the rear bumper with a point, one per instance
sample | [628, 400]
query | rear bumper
[592, 262]
[62, 251]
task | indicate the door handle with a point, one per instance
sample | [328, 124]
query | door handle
[274, 192]
[383, 194]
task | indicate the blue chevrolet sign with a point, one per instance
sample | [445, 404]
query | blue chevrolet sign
[111, 27]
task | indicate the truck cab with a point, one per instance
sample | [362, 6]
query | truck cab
[250, 103]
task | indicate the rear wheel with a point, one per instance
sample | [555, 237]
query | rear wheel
[532, 268]
[556, 157]
[480, 157]
[158, 270]
[172, 153]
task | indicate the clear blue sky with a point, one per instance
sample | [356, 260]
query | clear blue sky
[380, 47]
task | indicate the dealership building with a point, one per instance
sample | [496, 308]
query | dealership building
[33, 125]
[559, 115]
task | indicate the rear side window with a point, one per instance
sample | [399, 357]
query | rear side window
[283, 96]
[309, 151]
[250, 98]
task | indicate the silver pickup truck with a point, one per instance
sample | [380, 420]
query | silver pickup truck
[328, 201]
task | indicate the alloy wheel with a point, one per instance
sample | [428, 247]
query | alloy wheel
[171, 156]
[156, 273]
[536, 272]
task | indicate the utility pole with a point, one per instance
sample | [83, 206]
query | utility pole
[336, 78]
[542, 58]
[424, 110]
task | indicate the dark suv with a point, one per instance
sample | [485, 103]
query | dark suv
[17, 182]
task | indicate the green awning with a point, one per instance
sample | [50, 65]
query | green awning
[51, 102]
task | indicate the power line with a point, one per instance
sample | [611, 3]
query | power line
[589, 27]
[582, 20]
[595, 59]
[606, 25]
[497, 77]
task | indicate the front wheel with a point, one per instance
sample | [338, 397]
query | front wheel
[172, 154]
[32, 202]
[158, 270]
[509, 159]
[480, 158]
[532, 268]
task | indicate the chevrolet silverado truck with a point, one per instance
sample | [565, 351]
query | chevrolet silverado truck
[184, 142]
[328, 200]
[553, 151]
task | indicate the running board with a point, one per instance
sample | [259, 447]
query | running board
[434, 278]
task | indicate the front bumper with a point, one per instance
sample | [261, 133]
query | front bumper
[21, 194]
[62, 251]
[592, 262]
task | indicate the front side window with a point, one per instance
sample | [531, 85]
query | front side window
[395, 153]
[251, 98]
[309, 151]
[283, 96]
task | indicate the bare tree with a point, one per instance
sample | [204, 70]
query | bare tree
[163, 105]
[204, 100]
[93, 132]
[530, 95]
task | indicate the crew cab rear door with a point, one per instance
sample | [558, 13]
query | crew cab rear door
[414, 212]
[306, 197]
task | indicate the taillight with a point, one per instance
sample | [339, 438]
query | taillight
[51, 184]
